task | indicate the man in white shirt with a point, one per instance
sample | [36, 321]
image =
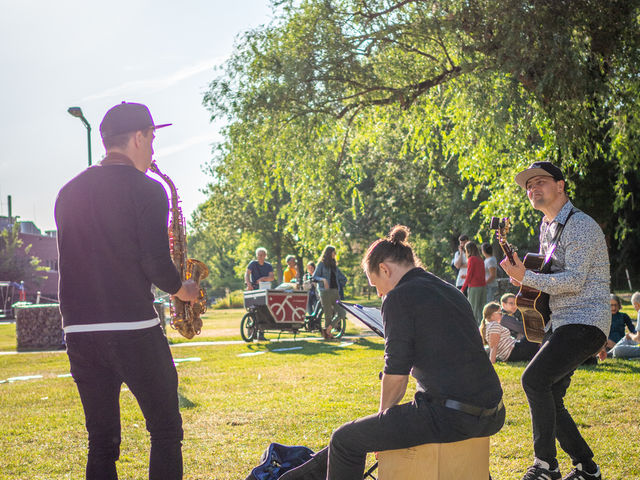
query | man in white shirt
[460, 261]
[490, 272]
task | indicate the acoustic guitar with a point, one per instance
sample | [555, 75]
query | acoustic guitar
[532, 303]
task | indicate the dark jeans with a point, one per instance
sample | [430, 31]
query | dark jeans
[523, 351]
[546, 380]
[100, 363]
[402, 426]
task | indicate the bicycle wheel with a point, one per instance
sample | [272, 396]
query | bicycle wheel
[338, 330]
[318, 320]
[248, 328]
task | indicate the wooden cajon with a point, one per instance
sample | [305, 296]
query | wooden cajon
[465, 460]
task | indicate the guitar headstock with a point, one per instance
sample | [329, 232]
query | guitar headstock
[502, 227]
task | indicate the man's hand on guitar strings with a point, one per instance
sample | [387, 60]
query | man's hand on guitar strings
[515, 272]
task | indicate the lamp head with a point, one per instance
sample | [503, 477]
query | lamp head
[75, 111]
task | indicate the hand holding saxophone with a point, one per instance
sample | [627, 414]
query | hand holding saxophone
[189, 292]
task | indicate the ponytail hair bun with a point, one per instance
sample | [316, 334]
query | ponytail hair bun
[394, 248]
[399, 234]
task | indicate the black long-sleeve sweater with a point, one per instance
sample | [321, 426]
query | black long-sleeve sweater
[430, 332]
[112, 244]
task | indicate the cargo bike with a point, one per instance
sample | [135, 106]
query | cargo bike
[283, 310]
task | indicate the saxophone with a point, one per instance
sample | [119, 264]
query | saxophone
[185, 316]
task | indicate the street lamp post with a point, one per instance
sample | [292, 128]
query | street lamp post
[77, 112]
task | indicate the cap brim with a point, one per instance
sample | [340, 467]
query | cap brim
[523, 177]
[155, 127]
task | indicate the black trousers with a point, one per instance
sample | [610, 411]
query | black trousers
[545, 382]
[402, 426]
[100, 363]
[523, 351]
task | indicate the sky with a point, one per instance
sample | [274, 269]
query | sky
[93, 55]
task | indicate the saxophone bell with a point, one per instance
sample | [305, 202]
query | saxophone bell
[185, 316]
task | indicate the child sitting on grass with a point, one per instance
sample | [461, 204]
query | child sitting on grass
[502, 346]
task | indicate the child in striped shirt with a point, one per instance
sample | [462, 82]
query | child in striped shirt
[502, 346]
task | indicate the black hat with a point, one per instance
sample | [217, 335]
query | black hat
[536, 169]
[127, 117]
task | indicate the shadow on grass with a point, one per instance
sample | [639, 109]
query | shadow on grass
[620, 366]
[303, 347]
[631, 367]
[183, 401]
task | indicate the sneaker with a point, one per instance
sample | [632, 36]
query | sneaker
[540, 471]
[578, 474]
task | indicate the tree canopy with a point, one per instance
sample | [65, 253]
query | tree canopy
[345, 117]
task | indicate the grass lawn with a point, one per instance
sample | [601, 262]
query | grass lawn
[236, 404]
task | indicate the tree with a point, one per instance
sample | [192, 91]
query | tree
[502, 83]
[16, 264]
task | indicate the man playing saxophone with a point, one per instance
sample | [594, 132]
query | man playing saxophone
[113, 246]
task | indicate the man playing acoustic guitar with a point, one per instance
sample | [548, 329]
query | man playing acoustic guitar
[578, 286]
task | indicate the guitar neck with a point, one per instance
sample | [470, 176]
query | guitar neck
[501, 226]
[508, 251]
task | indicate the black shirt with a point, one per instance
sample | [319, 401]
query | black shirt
[333, 281]
[430, 332]
[112, 245]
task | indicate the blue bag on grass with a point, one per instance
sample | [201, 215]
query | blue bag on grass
[278, 459]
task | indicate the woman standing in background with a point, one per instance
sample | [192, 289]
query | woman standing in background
[474, 280]
[331, 282]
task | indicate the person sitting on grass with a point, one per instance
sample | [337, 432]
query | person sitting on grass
[511, 316]
[629, 347]
[458, 395]
[502, 346]
[618, 321]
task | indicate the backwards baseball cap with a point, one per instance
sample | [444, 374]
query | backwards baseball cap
[127, 117]
[546, 169]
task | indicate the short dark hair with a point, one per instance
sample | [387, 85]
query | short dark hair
[117, 141]
[506, 297]
[394, 248]
[487, 248]
[121, 141]
[463, 238]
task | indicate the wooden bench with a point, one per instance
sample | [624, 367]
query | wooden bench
[465, 460]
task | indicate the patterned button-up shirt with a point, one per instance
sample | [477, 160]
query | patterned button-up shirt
[578, 284]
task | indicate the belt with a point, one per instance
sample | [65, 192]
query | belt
[461, 407]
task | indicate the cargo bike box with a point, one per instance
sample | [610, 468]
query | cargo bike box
[282, 310]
